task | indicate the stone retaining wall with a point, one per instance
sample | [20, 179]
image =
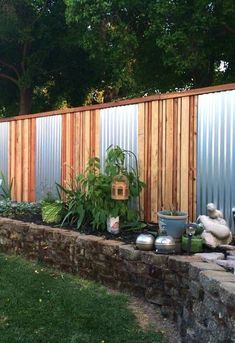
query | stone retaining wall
[198, 296]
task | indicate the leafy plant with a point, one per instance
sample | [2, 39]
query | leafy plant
[26, 208]
[12, 209]
[97, 186]
[52, 211]
[89, 200]
[172, 213]
[73, 211]
[5, 187]
[6, 209]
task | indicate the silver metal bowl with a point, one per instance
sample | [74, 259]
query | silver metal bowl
[165, 245]
[145, 241]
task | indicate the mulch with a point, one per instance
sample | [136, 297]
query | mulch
[127, 236]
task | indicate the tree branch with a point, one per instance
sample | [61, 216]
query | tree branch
[26, 45]
[12, 79]
[25, 48]
[10, 66]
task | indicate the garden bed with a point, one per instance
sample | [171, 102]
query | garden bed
[199, 296]
[126, 235]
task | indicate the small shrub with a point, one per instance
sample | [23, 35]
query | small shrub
[13, 209]
[89, 199]
[52, 211]
[74, 205]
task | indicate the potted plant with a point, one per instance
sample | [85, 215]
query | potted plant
[174, 221]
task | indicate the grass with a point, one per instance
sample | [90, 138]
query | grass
[42, 305]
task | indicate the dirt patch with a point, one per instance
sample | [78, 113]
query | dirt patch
[150, 317]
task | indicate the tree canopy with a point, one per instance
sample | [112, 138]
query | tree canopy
[158, 45]
[38, 62]
[55, 52]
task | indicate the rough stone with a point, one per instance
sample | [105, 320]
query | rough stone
[152, 258]
[227, 247]
[110, 248]
[210, 257]
[227, 293]
[227, 264]
[231, 257]
[156, 297]
[196, 267]
[180, 263]
[200, 312]
[213, 304]
[197, 333]
[211, 280]
[128, 252]
[196, 290]
[217, 332]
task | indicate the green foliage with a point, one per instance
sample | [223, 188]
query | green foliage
[52, 211]
[14, 209]
[5, 187]
[38, 59]
[172, 212]
[56, 52]
[89, 199]
[74, 205]
[146, 46]
[97, 186]
[56, 307]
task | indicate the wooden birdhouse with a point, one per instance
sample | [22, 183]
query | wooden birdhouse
[120, 188]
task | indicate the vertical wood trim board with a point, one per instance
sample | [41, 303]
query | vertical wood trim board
[80, 140]
[22, 159]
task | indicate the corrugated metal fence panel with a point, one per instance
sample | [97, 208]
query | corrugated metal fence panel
[119, 126]
[22, 159]
[48, 155]
[216, 152]
[167, 155]
[4, 136]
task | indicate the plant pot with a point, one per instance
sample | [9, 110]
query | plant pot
[196, 244]
[113, 225]
[175, 224]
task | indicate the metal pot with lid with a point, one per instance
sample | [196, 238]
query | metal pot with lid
[164, 243]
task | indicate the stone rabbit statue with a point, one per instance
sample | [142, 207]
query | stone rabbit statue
[216, 231]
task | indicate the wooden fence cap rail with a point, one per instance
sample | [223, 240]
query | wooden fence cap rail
[163, 96]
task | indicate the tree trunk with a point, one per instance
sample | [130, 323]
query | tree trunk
[25, 100]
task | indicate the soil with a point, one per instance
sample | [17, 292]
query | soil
[127, 236]
[150, 317]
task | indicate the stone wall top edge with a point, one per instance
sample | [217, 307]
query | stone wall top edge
[146, 257]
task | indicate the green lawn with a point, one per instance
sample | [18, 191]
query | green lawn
[42, 305]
